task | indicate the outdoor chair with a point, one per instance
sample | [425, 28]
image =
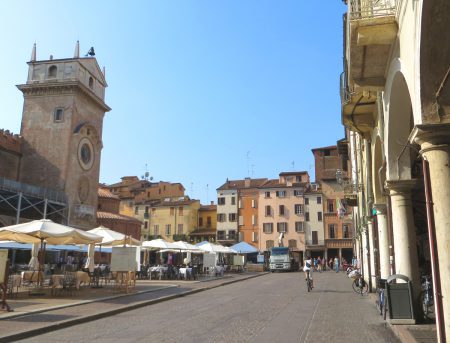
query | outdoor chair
[68, 283]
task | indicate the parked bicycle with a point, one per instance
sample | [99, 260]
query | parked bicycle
[359, 285]
[381, 299]
[426, 296]
[309, 282]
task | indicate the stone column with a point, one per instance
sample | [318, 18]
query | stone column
[365, 253]
[434, 140]
[371, 272]
[383, 240]
[405, 241]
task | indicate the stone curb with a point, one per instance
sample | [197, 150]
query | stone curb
[88, 318]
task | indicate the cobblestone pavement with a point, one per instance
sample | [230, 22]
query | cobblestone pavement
[271, 308]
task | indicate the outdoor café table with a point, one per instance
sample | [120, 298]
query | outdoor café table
[158, 269]
[32, 276]
[219, 270]
[80, 277]
[14, 283]
[186, 272]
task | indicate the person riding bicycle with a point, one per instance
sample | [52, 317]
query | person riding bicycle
[307, 268]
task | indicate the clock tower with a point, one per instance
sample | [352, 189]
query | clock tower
[62, 121]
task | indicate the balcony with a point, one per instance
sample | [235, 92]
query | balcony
[312, 242]
[370, 29]
[333, 243]
[351, 191]
[230, 237]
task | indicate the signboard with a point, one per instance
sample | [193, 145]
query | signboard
[238, 260]
[125, 259]
[3, 261]
[260, 258]
[209, 260]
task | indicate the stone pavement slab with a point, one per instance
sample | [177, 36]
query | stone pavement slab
[41, 315]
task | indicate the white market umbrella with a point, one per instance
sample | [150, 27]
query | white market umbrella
[90, 258]
[213, 248]
[52, 233]
[158, 244]
[113, 238]
[185, 246]
[34, 262]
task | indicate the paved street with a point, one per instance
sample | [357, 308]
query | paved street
[270, 308]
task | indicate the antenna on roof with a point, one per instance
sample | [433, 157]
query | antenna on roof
[293, 165]
[248, 163]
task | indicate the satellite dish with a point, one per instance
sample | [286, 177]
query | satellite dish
[151, 178]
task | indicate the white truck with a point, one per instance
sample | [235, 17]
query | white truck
[282, 259]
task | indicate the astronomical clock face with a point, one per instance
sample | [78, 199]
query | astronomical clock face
[83, 188]
[86, 154]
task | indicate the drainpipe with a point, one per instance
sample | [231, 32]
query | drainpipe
[433, 252]
[369, 202]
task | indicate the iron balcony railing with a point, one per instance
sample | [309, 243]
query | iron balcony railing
[364, 9]
[39, 192]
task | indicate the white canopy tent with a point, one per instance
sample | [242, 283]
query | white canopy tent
[158, 244]
[46, 231]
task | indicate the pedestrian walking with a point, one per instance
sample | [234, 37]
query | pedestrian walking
[336, 264]
[330, 263]
[319, 264]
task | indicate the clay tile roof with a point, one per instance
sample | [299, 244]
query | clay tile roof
[208, 208]
[115, 216]
[239, 184]
[104, 193]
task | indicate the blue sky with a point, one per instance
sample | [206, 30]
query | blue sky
[200, 91]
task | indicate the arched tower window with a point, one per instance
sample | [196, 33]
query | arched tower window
[91, 82]
[52, 71]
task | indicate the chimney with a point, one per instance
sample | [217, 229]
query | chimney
[212, 202]
[247, 182]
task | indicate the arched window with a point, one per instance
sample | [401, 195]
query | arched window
[52, 71]
[91, 82]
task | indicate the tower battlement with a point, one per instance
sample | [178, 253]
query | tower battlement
[10, 141]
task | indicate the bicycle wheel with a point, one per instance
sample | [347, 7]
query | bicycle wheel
[427, 304]
[355, 285]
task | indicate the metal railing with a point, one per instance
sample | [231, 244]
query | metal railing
[364, 9]
[39, 192]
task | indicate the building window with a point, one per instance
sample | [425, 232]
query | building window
[180, 210]
[268, 227]
[345, 231]
[269, 244]
[52, 72]
[146, 225]
[232, 217]
[319, 200]
[319, 216]
[282, 227]
[233, 200]
[172, 211]
[136, 209]
[330, 206]
[281, 210]
[240, 203]
[267, 194]
[268, 211]
[221, 201]
[208, 221]
[91, 82]
[200, 221]
[156, 230]
[306, 201]
[253, 220]
[221, 217]
[332, 231]
[281, 194]
[254, 205]
[299, 227]
[306, 216]
[180, 229]
[292, 243]
[167, 229]
[298, 209]
[58, 115]
[298, 193]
